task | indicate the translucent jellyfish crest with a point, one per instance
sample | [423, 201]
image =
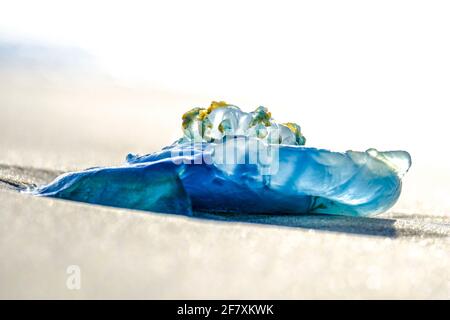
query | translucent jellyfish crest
[220, 120]
[234, 137]
[229, 160]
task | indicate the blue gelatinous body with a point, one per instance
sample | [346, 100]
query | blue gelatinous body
[231, 161]
[307, 180]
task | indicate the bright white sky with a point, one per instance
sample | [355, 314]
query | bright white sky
[240, 45]
[384, 64]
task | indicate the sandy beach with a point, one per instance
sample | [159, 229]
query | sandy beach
[83, 84]
[134, 254]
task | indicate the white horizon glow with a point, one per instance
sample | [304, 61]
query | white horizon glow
[374, 67]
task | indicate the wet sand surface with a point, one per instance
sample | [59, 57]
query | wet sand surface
[134, 254]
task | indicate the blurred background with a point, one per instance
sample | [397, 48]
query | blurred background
[83, 83]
